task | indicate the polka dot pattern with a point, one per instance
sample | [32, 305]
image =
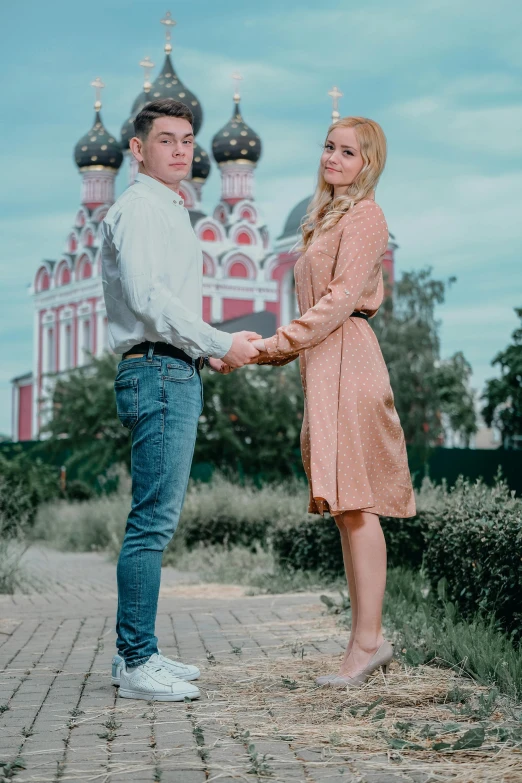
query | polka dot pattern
[352, 441]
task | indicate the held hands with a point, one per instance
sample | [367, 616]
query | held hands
[242, 351]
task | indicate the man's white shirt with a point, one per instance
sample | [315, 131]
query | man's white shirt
[152, 273]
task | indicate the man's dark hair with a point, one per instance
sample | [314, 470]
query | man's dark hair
[164, 107]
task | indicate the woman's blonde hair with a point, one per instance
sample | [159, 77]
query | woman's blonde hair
[324, 210]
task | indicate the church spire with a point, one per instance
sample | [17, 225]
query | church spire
[169, 22]
[335, 94]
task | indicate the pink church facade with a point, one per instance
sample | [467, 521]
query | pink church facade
[248, 278]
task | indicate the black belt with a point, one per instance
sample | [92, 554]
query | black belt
[358, 314]
[164, 349]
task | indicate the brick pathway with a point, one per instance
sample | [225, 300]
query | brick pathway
[62, 717]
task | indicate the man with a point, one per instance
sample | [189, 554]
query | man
[152, 282]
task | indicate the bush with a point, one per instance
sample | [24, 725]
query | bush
[474, 538]
[13, 523]
[83, 526]
[309, 542]
[24, 484]
[221, 512]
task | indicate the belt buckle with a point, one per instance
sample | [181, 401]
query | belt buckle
[200, 363]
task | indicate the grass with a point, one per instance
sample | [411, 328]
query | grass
[13, 576]
[424, 626]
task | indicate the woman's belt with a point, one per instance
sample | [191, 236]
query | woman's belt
[358, 314]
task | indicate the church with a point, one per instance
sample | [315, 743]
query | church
[247, 277]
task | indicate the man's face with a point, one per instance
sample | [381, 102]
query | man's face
[166, 154]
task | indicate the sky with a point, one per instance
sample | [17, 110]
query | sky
[443, 78]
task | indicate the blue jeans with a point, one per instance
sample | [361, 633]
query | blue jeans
[159, 399]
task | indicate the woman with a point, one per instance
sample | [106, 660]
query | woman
[352, 442]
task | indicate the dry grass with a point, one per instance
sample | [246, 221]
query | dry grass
[277, 700]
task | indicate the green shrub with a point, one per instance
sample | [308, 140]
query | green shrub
[221, 512]
[24, 484]
[93, 524]
[14, 517]
[309, 542]
[474, 544]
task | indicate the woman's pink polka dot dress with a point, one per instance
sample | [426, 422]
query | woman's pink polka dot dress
[352, 441]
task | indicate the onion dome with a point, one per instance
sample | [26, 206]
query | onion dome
[295, 218]
[98, 147]
[236, 141]
[169, 85]
[200, 163]
[127, 129]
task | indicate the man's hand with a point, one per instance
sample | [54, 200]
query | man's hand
[218, 365]
[242, 350]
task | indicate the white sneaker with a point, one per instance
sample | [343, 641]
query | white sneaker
[152, 682]
[181, 670]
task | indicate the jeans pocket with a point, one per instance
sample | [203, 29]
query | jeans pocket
[127, 401]
[178, 370]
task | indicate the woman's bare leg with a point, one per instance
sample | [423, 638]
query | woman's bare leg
[350, 578]
[368, 559]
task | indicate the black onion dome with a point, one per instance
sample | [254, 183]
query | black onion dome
[236, 140]
[200, 163]
[295, 218]
[168, 85]
[98, 148]
[127, 129]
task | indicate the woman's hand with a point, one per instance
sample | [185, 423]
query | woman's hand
[219, 366]
[259, 345]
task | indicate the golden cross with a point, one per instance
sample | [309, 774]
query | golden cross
[169, 22]
[237, 78]
[147, 66]
[98, 86]
[335, 94]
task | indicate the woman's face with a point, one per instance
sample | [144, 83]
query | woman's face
[341, 160]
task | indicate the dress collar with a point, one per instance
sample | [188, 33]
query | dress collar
[161, 190]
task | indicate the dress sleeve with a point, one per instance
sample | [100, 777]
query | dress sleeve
[363, 241]
[266, 358]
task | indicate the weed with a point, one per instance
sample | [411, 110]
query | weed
[75, 712]
[157, 774]
[237, 650]
[4, 708]
[199, 736]
[26, 732]
[211, 658]
[11, 768]
[112, 725]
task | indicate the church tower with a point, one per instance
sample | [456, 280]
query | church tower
[236, 149]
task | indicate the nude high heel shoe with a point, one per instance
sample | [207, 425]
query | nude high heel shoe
[383, 657]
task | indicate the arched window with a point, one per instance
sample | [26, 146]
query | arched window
[84, 269]
[208, 266]
[246, 214]
[89, 239]
[209, 235]
[72, 244]
[63, 274]
[244, 238]
[43, 281]
[238, 270]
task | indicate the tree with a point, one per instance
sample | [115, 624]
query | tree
[503, 396]
[425, 389]
[252, 421]
[84, 413]
[455, 396]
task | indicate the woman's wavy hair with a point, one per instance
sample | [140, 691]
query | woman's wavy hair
[324, 211]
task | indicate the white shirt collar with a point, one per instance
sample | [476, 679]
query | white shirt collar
[160, 189]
